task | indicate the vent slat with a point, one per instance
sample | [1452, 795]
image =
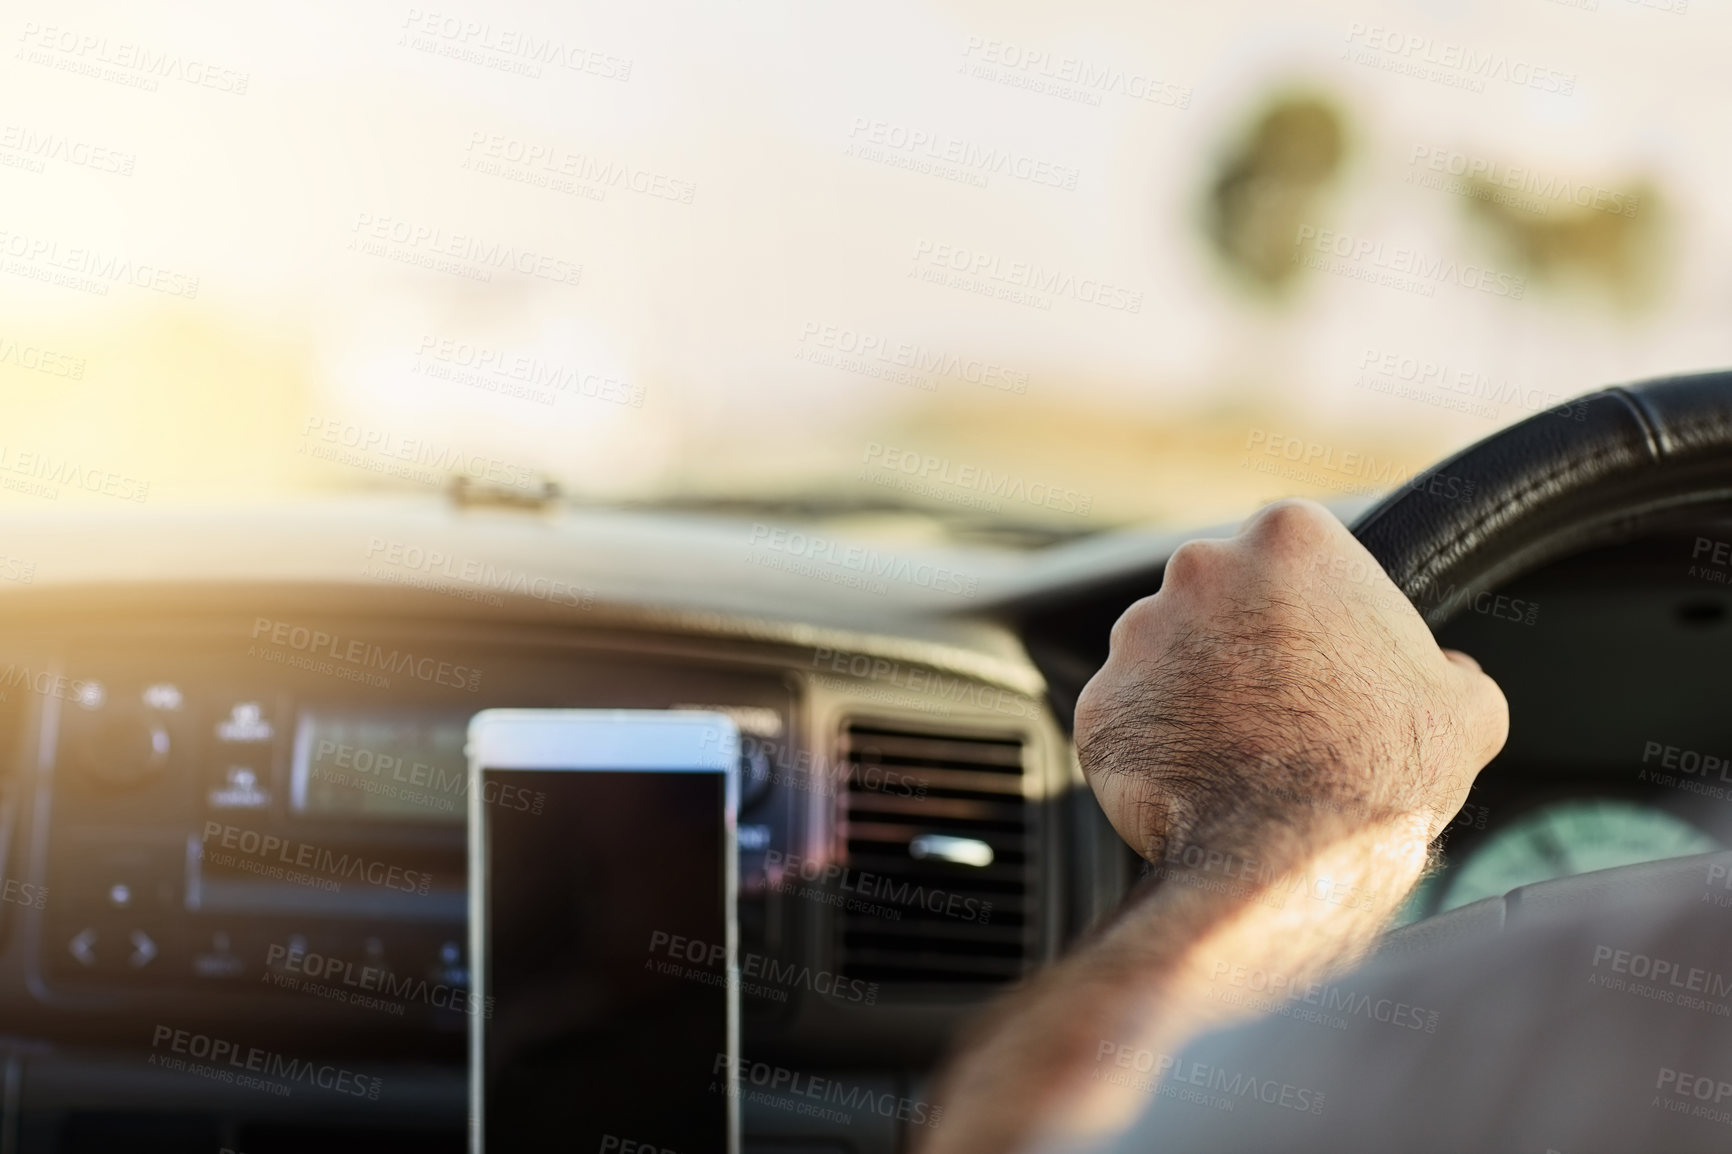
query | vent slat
[993, 878]
[975, 787]
[889, 846]
[882, 747]
[938, 808]
[897, 935]
[891, 965]
[960, 780]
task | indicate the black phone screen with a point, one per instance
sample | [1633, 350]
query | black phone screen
[591, 1040]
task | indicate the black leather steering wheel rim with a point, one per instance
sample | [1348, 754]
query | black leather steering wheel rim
[1598, 470]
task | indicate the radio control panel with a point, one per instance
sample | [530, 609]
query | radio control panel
[208, 826]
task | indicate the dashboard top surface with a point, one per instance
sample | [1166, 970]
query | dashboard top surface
[610, 556]
[409, 558]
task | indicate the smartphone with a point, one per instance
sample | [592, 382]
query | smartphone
[594, 836]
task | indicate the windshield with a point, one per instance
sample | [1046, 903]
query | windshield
[826, 260]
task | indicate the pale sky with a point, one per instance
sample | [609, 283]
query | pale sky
[306, 163]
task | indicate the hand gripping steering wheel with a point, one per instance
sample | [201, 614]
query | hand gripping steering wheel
[1600, 470]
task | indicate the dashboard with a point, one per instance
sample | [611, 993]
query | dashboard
[233, 813]
[231, 806]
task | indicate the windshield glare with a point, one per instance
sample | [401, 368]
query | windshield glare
[1038, 282]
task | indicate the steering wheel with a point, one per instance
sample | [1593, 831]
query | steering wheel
[1598, 470]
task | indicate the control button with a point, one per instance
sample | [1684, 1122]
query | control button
[286, 957]
[756, 773]
[119, 895]
[83, 947]
[162, 695]
[245, 722]
[126, 751]
[239, 790]
[965, 851]
[143, 950]
[451, 969]
[219, 961]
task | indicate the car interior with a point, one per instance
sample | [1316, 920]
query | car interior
[842, 373]
[915, 834]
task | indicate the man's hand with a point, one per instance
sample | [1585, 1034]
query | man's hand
[1278, 678]
[1277, 731]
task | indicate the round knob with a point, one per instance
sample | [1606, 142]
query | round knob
[125, 751]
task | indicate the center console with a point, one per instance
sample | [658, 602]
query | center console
[266, 823]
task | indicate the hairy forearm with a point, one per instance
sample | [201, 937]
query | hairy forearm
[1281, 742]
[1036, 1071]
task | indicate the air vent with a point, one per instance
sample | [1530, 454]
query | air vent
[940, 889]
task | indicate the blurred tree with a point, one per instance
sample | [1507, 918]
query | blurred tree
[1269, 184]
[1612, 245]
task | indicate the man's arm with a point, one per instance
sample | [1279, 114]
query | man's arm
[1279, 735]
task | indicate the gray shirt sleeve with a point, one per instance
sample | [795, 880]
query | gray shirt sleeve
[1607, 1028]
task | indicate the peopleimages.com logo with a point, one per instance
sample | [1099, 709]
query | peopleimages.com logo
[928, 471]
[271, 855]
[1220, 1087]
[355, 983]
[123, 62]
[507, 48]
[474, 573]
[1067, 77]
[1447, 62]
[824, 557]
[89, 269]
[761, 975]
[845, 879]
[810, 1095]
[360, 654]
[1397, 266]
[231, 1062]
[989, 271]
[38, 359]
[439, 787]
[1695, 1095]
[930, 684]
